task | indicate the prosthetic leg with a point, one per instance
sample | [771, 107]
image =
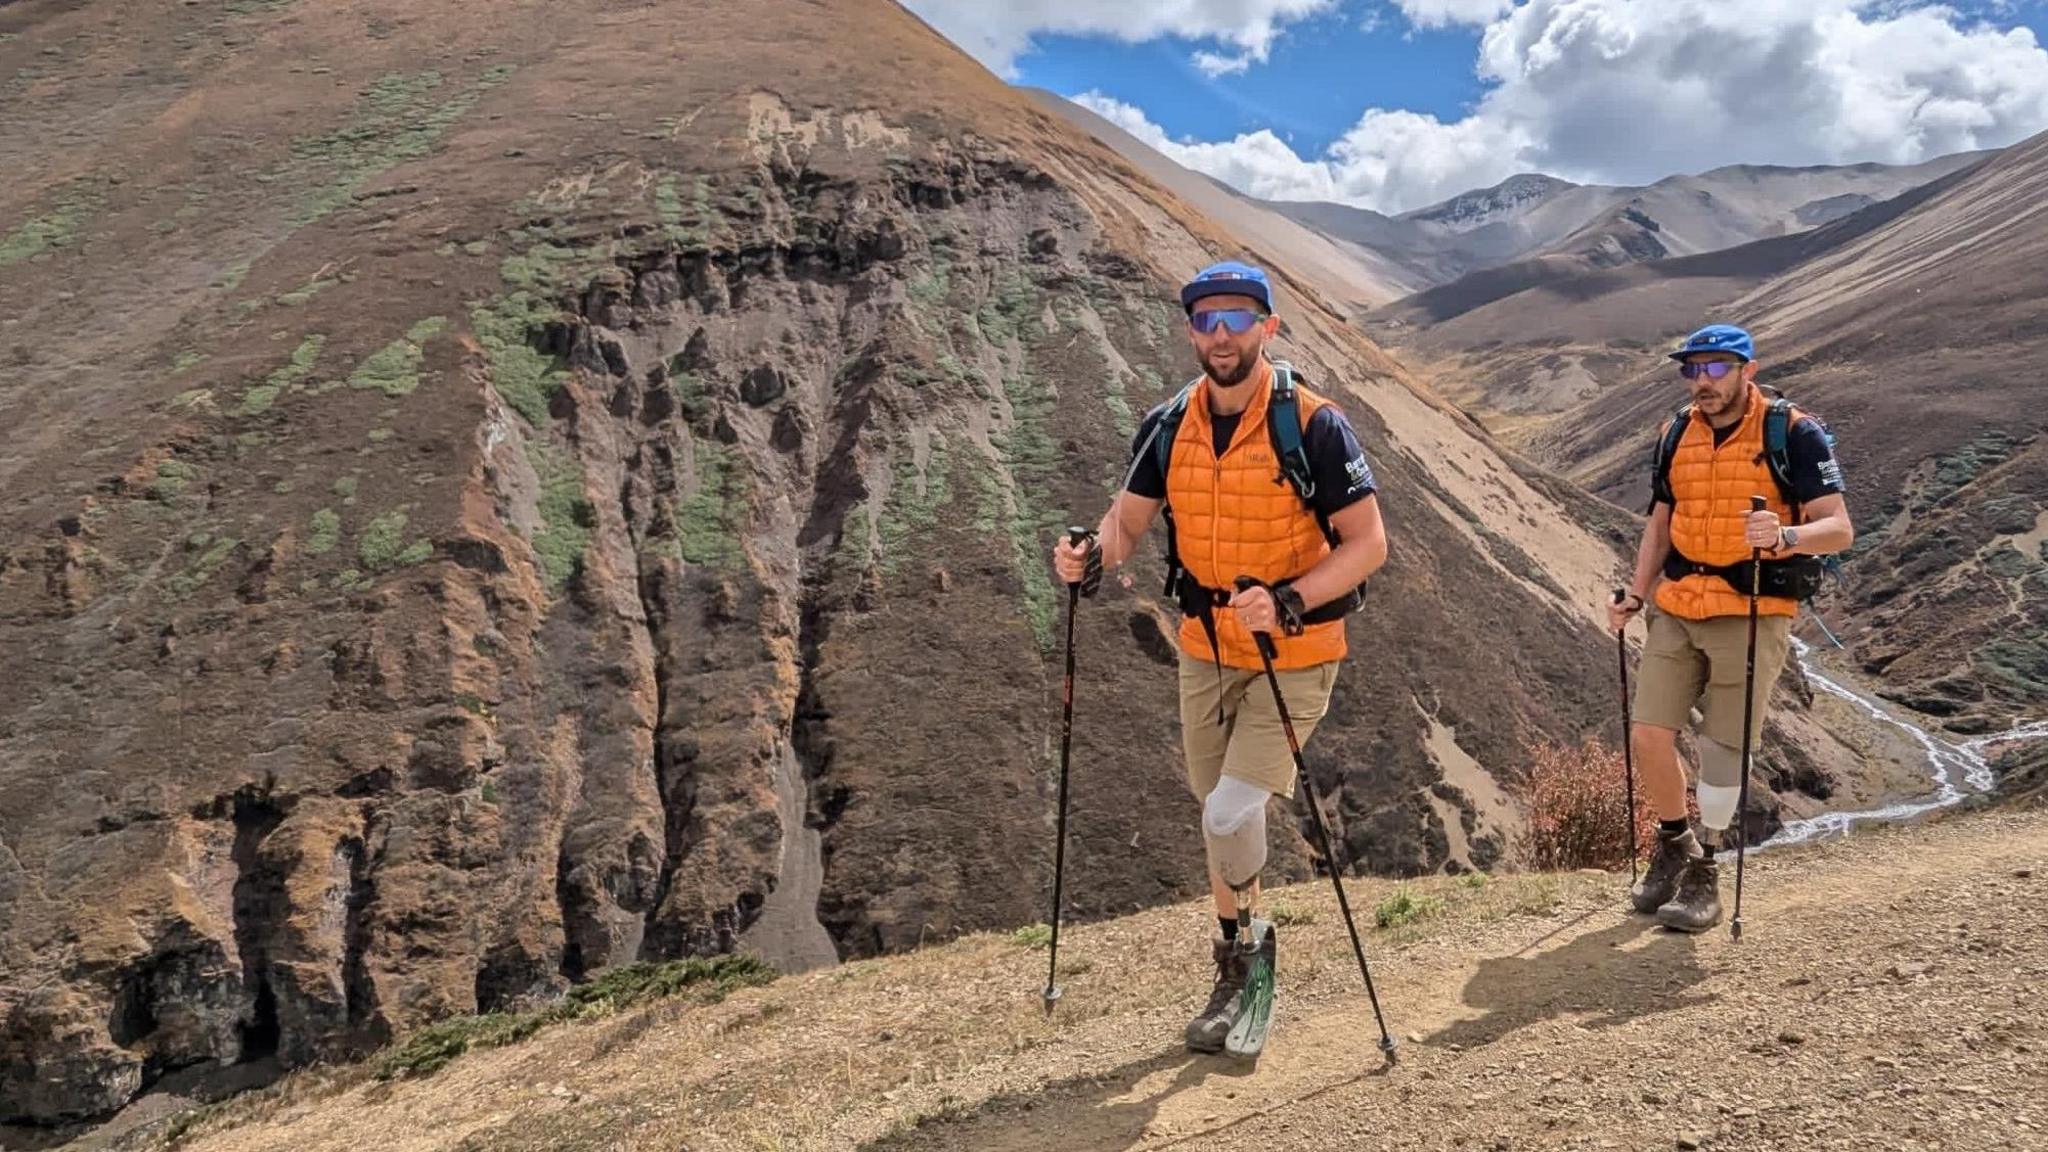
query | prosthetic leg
[1696, 906]
[1234, 833]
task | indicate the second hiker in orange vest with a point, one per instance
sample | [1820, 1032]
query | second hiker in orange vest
[1697, 653]
[1234, 513]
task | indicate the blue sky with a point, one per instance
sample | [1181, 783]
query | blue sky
[1392, 104]
[1322, 74]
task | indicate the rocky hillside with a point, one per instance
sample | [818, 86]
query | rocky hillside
[494, 495]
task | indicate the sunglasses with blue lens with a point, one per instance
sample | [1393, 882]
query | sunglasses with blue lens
[1711, 369]
[1238, 320]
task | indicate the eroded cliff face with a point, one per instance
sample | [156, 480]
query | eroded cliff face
[556, 520]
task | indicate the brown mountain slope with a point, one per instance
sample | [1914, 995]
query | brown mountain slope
[1726, 207]
[1574, 275]
[1532, 230]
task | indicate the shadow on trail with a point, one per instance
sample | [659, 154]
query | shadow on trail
[1595, 973]
[1100, 1112]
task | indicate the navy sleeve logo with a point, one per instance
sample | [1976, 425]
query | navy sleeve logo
[1358, 472]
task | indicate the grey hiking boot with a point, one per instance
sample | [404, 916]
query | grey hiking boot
[1207, 1030]
[1660, 883]
[1697, 906]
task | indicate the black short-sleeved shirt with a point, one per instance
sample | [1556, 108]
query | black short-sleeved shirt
[1815, 471]
[1343, 476]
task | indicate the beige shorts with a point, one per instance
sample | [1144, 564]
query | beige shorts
[1705, 661]
[1249, 744]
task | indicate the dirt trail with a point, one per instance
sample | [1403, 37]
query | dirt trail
[1886, 994]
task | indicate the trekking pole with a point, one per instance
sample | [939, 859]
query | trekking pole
[1075, 536]
[1756, 559]
[1315, 807]
[1628, 752]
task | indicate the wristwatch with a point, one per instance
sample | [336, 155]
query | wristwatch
[1287, 604]
[1788, 538]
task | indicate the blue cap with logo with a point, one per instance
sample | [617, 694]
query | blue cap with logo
[1227, 279]
[1717, 338]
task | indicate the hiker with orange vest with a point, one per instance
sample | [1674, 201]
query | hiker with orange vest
[1259, 478]
[1728, 447]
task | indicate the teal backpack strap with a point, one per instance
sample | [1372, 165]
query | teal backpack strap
[1660, 463]
[1283, 424]
[1777, 448]
[1168, 429]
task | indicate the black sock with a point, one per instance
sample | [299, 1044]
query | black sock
[1672, 827]
[1229, 927]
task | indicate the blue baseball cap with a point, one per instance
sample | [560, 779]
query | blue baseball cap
[1227, 279]
[1717, 338]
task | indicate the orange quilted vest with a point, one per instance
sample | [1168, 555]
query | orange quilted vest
[1712, 486]
[1238, 516]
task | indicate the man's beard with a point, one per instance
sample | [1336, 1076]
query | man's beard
[1238, 374]
[1713, 404]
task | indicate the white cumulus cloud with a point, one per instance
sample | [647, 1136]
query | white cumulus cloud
[996, 32]
[1215, 64]
[1444, 13]
[1628, 91]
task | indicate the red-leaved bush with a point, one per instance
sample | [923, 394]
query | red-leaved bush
[1576, 800]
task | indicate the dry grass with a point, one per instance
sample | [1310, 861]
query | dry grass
[878, 1044]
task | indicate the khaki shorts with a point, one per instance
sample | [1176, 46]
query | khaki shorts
[1249, 745]
[1705, 661]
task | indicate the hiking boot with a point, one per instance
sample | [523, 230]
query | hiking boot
[1207, 1030]
[1697, 907]
[1660, 883]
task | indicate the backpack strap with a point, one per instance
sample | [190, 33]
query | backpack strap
[1168, 429]
[1660, 462]
[1284, 428]
[1778, 420]
[1283, 425]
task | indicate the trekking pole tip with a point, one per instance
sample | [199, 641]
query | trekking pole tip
[1387, 1049]
[1051, 999]
[1735, 930]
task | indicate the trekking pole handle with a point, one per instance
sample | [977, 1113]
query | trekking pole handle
[1756, 503]
[1077, 536]
[1264, 639]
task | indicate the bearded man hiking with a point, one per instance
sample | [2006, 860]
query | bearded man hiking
[1260, 478]
[1730, 446]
